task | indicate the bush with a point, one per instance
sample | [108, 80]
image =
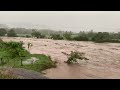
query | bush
[56, 37]
[13, 54]
[101, 37]
[81, 38]
[74, 56]
[67, 35]
[28, 36]
[42, 36]
[11, 33]
[12, 49]
[2, 32]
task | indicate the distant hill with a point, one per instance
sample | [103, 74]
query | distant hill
[49, 31]
[42, 31]
[4, 26]
[23, 31]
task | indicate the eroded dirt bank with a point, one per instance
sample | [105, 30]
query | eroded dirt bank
[104, 58]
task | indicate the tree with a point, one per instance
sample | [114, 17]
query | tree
[36, 34]
[56, 36]
[12, 50]
[91, 34]
[67, 35]
[73, 56]
[101, 37]
[17, 50]
[27, 36]
[3, 54]
[11, 33]
[81, 38]
[2, 32]
[82, 33]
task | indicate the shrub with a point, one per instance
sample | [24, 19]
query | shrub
[12, 50]
[28, 36]
[67, 35]
[56, 37]
[73, 56]
[101, 37]
[11, 33]
[13, 54]
[81, 38]
[2, 32]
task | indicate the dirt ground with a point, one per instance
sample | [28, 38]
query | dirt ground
[103, 63]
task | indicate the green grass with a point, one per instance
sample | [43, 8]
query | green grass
[43, 63]
[14, 51]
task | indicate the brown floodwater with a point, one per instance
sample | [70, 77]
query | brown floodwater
[104, 58]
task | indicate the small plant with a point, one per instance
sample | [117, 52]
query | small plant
[73, 56]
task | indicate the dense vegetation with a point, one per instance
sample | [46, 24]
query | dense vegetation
[11, 33]
[98, 37]
[37, 34]
[13, 54]
[2, 32]
[73, 56]
[56, 37]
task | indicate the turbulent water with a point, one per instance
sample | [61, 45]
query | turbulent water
[104, 58]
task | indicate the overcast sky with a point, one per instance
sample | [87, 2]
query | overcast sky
[64, 20]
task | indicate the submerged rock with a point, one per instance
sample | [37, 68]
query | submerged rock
[31, 60]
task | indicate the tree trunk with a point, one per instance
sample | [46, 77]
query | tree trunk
[21, 63]
[14, 63]
[8, 60]
[1, 60]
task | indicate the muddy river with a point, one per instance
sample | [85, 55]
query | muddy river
[104, 58]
